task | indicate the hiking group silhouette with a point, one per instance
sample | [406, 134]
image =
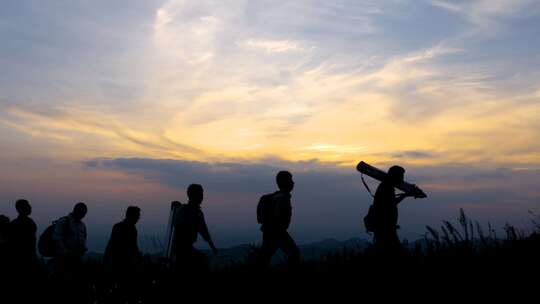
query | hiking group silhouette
[64, 241]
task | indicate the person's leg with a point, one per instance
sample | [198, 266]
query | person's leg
[182, 258]
[127, 283]
[120, 277]
[387, 243]
[378, 241]
[59, 279]
[75, 278]
[395, 243]
[199, 261]
[289, 247]
[268, 249]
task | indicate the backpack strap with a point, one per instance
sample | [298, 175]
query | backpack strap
[366, 185]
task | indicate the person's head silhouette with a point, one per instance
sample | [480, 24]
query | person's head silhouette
[133, 214]
[79, 211]
[284, 181]
[195, 194]
[23, 207]
[396, 174]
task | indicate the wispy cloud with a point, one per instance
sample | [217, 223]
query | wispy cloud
[487, 15]
[271, 46]
[68, 125]
[301, 80]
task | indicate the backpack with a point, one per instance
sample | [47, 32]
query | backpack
[181, 218]
[370, 221]
[45, 243]
[265, 208]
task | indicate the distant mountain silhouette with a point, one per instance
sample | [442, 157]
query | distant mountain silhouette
[310, 251]
[317, 249]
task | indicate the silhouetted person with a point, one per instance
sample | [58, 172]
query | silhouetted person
[123, 255]
[188, 223]
[386, 212]
[123, 249]
[4, 229]
[276, 221]
[69, 236]
[23, 261]
[22, 239]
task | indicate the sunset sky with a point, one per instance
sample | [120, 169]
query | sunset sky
[127, 102]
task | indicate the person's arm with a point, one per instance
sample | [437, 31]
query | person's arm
[111, 248]
[34, 231]
[203, 230]
[136, 250]
[282, 210]
[84, 247]
[400, 197]
[385, 195]
[287, 212]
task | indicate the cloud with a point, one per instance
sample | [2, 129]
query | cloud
[330, 147]
[335, 195]
[68, 124]
[411, 68]
[488, 15]
[254, 177]
[243, 80]
[271, 46]
[34, 132]
[447, 5]
[413, 154]
[220, 176]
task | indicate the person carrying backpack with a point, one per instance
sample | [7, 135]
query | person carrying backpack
[69, 243]
[70, 234]
[188, 223]
[274, 213]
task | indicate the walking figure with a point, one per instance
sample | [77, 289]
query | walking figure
[385, 204]
[188, 223]
[69, 238]
[122, 254]
[22, 239]
[274, 213]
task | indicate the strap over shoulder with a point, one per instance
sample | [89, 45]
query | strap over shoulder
[366, 185]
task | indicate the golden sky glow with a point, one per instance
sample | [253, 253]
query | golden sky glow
[213, 82]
